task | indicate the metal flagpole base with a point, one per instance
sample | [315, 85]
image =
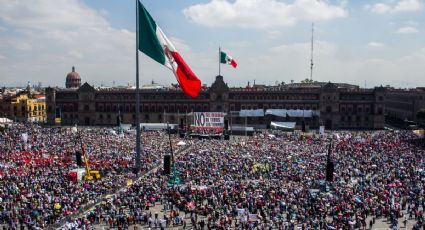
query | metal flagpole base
[174, 180]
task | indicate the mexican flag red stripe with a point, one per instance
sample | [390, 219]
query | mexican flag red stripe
[154, 43]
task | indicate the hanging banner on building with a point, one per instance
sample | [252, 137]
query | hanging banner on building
[208, 120]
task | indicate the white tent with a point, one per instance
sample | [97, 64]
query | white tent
[181, 143]
[157, 126]
[251, 113]
[4, 120]
[292, 112]
[283, 125]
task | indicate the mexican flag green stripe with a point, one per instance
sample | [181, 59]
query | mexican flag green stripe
[148, 41]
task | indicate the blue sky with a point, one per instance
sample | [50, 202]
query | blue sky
[372, 42]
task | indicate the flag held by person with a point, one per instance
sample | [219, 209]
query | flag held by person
[226, 59]
[153, 42]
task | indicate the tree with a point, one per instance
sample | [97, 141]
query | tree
[308, 81]
[421, 114]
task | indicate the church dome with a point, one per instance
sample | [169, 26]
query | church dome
[73, 79]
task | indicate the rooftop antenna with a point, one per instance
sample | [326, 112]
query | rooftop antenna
[311, 64]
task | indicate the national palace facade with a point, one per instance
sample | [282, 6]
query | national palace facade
[337, 106]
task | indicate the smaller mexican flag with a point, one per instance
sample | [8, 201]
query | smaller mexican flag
[226, 59]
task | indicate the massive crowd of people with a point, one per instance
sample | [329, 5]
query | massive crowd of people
[261, 182]
[35, 187]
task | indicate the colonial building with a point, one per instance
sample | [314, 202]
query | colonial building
[337, 106]
[25, 106]
[404, 104]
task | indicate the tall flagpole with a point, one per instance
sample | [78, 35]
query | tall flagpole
[219, 60]
[137, 92]
[311, 60]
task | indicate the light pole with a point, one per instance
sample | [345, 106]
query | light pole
[174, 178]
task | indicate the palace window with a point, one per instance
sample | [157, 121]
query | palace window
[328, 109]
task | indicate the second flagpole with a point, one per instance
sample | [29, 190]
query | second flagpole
[219, 60]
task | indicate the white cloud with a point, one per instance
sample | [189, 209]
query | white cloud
[2, 57]
[180, 44]
[395, 6]
[45, 14]
[22, 45]
[407, 30]
[238, 44]
[380, 8]
[321, 47]
[262, 13]
[103, 12]
[58, 34]
[408, 5]
[379, 61]
[273, 34]
[376, 44]
[412, 23]
[75, 54]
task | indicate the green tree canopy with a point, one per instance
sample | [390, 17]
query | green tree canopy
[421, 114]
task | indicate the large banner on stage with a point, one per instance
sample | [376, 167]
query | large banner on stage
[208, 120]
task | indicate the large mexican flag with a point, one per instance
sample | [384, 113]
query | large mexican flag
[154, 43]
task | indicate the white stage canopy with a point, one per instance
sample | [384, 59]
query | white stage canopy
[251, 113]
[292, 112]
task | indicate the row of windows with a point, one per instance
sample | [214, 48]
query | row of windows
[71, 116]
[132, 108]
[400, 105]
[350, 109]
[151, 96]
[146, 117]
[38, 113]
[351, 125]
[403, 97]
[274, 97]
[40, 107]
[30, 108]
[354, 118]
[249, 107]
[352, 97]
[151, 108]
